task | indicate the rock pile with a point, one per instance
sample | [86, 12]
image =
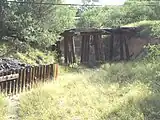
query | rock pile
[8, 64]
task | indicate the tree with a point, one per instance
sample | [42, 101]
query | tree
[38, 24]
[93, 17]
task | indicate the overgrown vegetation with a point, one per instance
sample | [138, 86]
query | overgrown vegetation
[2, 108]
[132, 11]
[26, 25]
[122, 91]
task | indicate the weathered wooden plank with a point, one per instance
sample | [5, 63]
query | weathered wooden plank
[9, 77]
[121, 47]
[44, 73]
[33, 76]
[73, 51]
[16, 82]
[19, 80]
[82, 49]
[10, 84]
[66, 49]
[13, 92]
[96, 47]
[111, 41]
[29, 78]
[24, 80]
[126, 49]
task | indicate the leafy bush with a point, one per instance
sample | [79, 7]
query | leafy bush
[153, 53]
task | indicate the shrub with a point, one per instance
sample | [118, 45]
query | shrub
[2, 108]
[120, 91]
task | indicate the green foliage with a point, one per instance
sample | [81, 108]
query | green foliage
[92, 17]
[122, 91]
[133, 11]
[2, 108]
[37, 25]
[149, 28]
[153, 52]
[35, 56]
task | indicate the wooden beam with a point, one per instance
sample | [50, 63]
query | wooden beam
[9, 77]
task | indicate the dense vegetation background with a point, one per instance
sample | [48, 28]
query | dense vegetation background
[24, 26]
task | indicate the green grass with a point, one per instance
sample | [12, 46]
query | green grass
[2, 108]
[118, 92]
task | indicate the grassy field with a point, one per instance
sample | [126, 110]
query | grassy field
[2, 108]
[118, 92]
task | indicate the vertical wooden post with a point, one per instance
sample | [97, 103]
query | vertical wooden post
[19, 80]
[87, 44]
[69, 49]
[16, 84]
[7, 84]
[29, 78]
[82, 49]
[2, 84]
[33, 76]
[10, 84]
[43, 73]
[73, 50]
[56, 71]
[66, 49]
[49, 72]
[13, 84]
[111, 47]
[24, 79]
[121, 47]
[100, 47]
[52, 71]
[126, 49]
[96, 47]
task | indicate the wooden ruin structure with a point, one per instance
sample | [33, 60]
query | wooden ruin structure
[97, 45]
